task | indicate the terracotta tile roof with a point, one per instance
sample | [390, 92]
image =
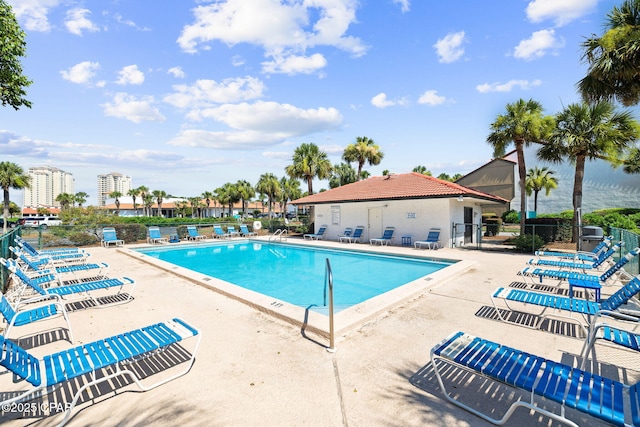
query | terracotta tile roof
[396, 187]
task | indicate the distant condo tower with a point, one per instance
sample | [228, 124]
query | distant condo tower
[46, 184]
[111, 182]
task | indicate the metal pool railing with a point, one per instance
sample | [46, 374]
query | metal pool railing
[7, 240]
[328, 281]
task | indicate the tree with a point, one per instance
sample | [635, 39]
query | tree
[522, 124]
[539, 179]
[423, 170]
[143, 192]
[268, 185]
[363, 151]
[309, 163]
[246, 192]
[195, 205]
[12, 48]
[134, 193]
[80, 198]
[342, 174]
[614, 58]
[208, 196]
[290, 190]
[159, 195]
[147, 200]
[66, 200]
[11, 176]
[588, 132]
[116, 195]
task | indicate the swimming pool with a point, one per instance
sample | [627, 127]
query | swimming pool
[296, 274]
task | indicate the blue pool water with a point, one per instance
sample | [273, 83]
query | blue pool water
[296, 274]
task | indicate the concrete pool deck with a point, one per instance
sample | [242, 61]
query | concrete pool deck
[256, 369]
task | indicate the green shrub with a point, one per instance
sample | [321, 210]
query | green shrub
[82, 238]
[493, 226]
[511, 217]
[528, 243]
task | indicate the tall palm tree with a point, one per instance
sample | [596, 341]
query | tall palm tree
[268, 185]
[588, 132]
[422, 169]
[147, 200]
[195, 205]
[134, 193]
[309, 162]
[207, 196]
[81, 198]
[246, 192]
[614, 58]
[363, 151]
[290, 190]
[522, 124]
[11, 176]
[159, 195]
[539, 179]
[116, 195]
[342, 174]
[65, 200]
[143, 191]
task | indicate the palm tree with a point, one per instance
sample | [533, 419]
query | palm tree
[422, 169]
[614, 58]
[147, 200]
[246, 192]
[195, 205]
[134, 192]
[11, 176]
[159, 195]
[143, 191]
[65, 200]
[588, 132]
[522, 124]
[268, 185]
[290, 190]
[539, 179]
[342, 174]
[309, 163]
[81, 198]
[207, 196]
[363, 151]
[116, 195]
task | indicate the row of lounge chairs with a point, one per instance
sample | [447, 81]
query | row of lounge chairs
[351, 235]
[612, 319]
[44, 285]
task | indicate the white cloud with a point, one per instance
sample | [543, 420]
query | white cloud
[538, 45]
[176, 72]
[507, 87]
[204, 93]
[431, 97]
[137, 110]
[404, 5]
[81, 73]
[449, 49]
[295, 64]
[289, 31]
[77, 21]
[32, 14]
[381, 101]
[130, 75]
[237, 60]
[561, 12]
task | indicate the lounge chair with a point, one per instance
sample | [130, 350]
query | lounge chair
[109, 237]
[582, 255]
[90, 360]
[46, 252]
[565, 307]
[431, 242]
[40, 307]
[385, 239]
[570, 387]
[218, 233]
[43, 266]
[355, 237]
[232, 232]
[601, 259]
[53, 257]
[316, 236]
[347, 233]
[192, 233]
[244, 231]
[566, 275]
[611, 335]
[155, 236]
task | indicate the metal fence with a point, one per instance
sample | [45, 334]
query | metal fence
[7, 240]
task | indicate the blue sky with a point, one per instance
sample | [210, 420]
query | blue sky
[184, 96]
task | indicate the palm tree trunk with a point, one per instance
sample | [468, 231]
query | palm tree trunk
[522, 172]
[535, 201]
[577, 196]
[5, 209]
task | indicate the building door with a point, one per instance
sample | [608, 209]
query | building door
[468, 225]
[375, 223]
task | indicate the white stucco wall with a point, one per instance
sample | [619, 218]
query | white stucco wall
[409, 218]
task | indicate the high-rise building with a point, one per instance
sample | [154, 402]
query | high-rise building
[46, 183]
[111, 182]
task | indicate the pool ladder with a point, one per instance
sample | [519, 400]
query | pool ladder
[280, 234]
[328, 292]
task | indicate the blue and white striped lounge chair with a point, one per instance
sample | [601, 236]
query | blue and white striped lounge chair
[431, 242]
[232, 232]
[155, 236]
[565, 275]
[566, 307]
[347, 233]
[316, 236]
[385, 239]
[87, 364]
[597, 396]
[109, 237]
[218, 233]
[192, 233]
[26, 312]
[44, 265]
[244, 231]
[355, 237]
[601, 259]
[582, 255]
[54, 253]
